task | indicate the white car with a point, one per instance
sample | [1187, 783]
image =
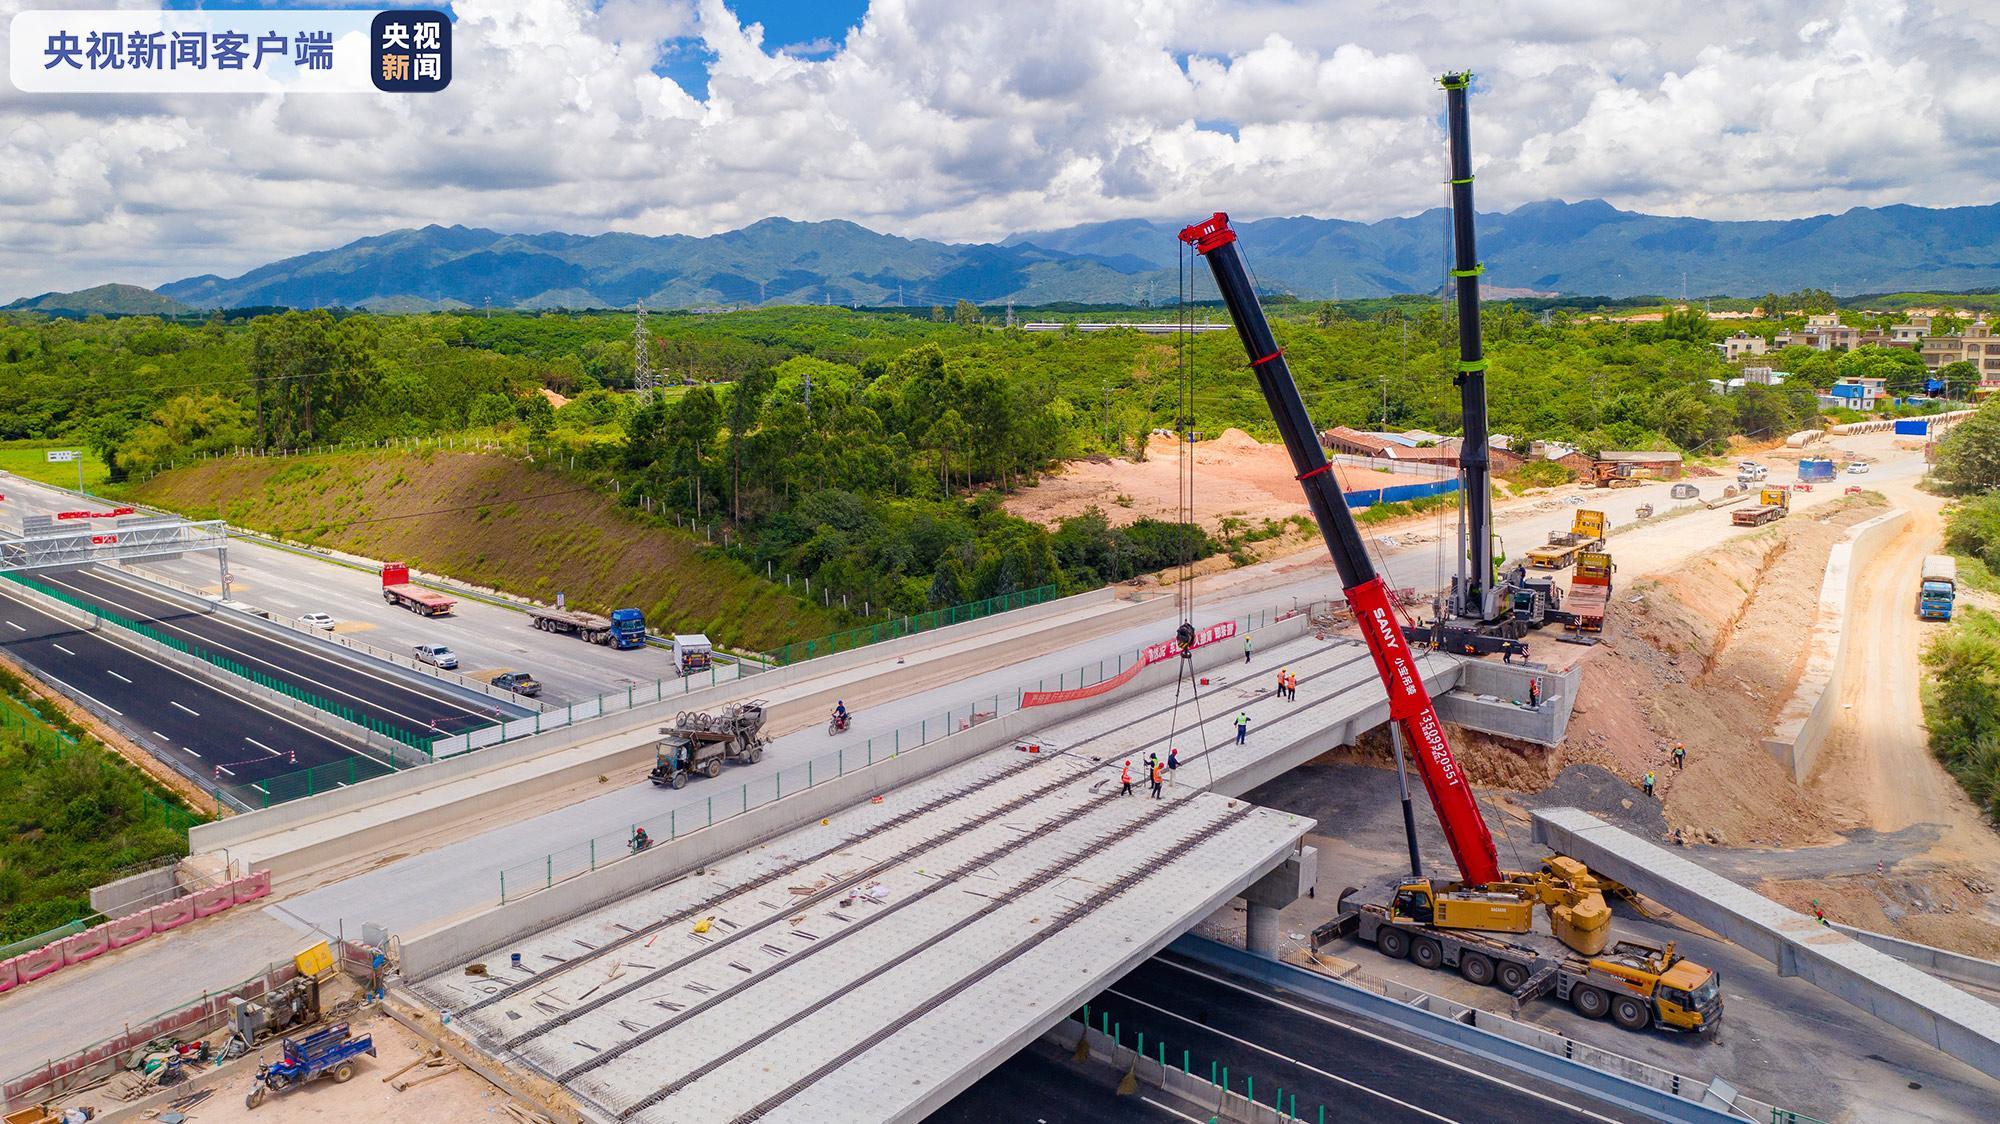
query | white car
[317, 620]
[437, 655]
[1857, 468]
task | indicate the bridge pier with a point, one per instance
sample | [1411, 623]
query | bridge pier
[1268, 896]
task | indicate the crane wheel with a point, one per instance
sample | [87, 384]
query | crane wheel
[1426, 953]
[1476, 968]
[1630, 1013]
[1394, 943]
[1590, 1002]
[1512, 977]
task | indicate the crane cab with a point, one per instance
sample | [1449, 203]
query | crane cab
[1452, 907]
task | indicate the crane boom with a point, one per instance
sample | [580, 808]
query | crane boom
[1410, 704]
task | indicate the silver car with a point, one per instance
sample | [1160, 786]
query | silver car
[437, 655]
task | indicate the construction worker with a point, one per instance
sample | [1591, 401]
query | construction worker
[1281, 684]
[1246, 649]
[1649, 782]
[1242, 726]
[1534, 693]
[1680, 756]
[1173, 760]
[640, 840]
[1159, 774]
[1291, 685]
[1125, 779]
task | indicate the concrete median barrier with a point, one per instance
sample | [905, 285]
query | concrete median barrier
[1803, 721]
[87, 945]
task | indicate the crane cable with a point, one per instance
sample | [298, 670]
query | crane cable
[1185, 679]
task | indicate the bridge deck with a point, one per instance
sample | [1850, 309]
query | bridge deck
[869, 967]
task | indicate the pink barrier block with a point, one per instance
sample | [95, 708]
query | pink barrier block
[34, 965]
[251, 888]
[10, 976]
[130, 930]
[210, 902]
[85, 945]
[172, 915]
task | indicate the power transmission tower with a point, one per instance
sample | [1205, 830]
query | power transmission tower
[643, 379]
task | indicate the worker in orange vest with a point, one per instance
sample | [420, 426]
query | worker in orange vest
[1158, 775]
[1125, 779]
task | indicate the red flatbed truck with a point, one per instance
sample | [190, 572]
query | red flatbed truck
[398, 590]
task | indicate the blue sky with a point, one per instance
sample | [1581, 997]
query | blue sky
[809, 30]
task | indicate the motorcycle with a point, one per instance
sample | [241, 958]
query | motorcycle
[838, 724]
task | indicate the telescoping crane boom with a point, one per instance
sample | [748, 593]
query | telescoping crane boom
[1409, 702]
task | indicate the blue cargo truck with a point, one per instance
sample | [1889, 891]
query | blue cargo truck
[1938, 587]
[624, 628]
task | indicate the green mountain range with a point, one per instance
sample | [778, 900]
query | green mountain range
[1589, 248]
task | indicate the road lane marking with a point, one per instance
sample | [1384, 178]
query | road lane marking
[82, 695]
[262, 746]
[116, 676]
[63, 650]
[225, 770]
[1309, 1068]
[1403, 1046]
[15, 627]
[1171, 1111]
[178, 706]
[161, 736]
[192, 753]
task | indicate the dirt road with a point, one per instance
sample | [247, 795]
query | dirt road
[1880, 763]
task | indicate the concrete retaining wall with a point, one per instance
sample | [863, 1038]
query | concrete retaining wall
[117, 933]
[430, 952]
[140, 891]
[1804, 719]
[1486, 696]
[1930, 1010]
[236, 830]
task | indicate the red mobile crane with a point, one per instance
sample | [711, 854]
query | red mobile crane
[1409, 702]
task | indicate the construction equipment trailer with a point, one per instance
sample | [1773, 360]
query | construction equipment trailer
[397, 589]
[1586, 532]
[1486, 899]
[700, 743]
[624, 629]
[1772, 504]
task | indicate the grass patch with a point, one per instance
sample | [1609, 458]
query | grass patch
[496, 522]
[1386, 512]
[1962, 704]
[30, 459]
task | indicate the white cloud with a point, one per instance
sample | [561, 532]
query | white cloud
[942, 119]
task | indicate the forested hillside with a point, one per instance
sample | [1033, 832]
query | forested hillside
[859, 448]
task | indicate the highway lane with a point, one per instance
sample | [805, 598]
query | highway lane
[384, 695]
[208, 734]
[1358, 1069]
[1037, 1087]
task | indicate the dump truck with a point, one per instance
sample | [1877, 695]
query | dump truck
[1586, 532]
[624, 629]
[1937, 587]
[1772, 503]
[1638, 985]
[699, 743]
[692, 652]
[397, 589]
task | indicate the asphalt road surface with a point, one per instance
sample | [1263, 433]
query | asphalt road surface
[1358, 1070]
[210, 735]
[364, 686]
[1036, 1087]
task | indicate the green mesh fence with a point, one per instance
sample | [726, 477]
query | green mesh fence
[867, 634]
[305, 782]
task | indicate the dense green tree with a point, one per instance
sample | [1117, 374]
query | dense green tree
[1968, 459]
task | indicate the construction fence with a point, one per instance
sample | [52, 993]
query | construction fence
[726, 801]
[867, 634]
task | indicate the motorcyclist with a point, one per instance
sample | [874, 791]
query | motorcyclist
[840, 714]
